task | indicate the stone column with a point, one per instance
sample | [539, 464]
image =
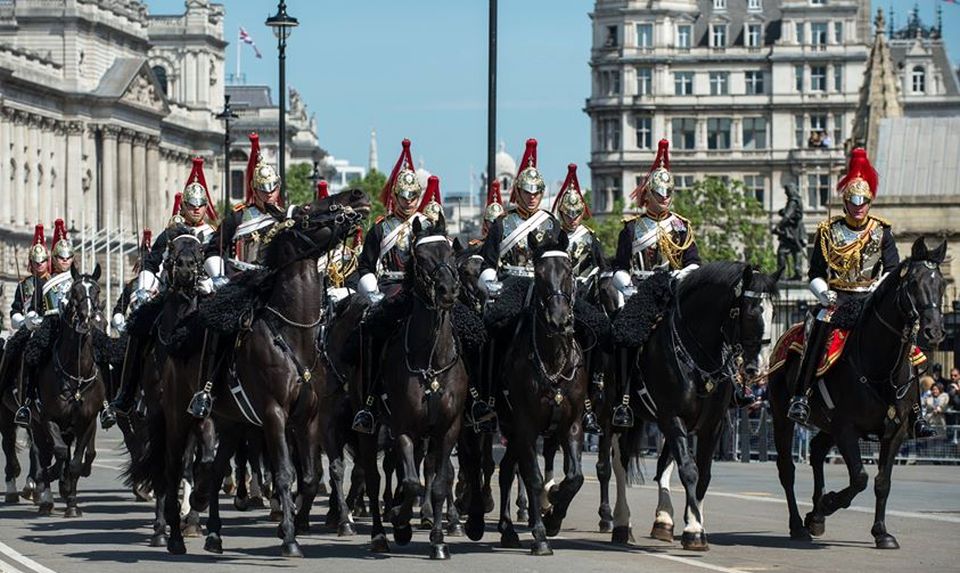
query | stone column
[73, 170]
[154, 199]
[6, 168]
[190, 78]
[46, 159]
[109, 171]
[34, 201]
[138, 217]
[124, 210]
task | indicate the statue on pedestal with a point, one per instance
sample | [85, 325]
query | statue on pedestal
[790, 231]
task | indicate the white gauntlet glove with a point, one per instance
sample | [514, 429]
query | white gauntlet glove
[33, 320]
[824, 295]
[16, 321]
[681, 273]
[119, 322]
[489, 283]
[215, 269]
[369, 288]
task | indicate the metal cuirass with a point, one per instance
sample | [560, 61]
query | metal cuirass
[519, 255]
[55, 291]
[857, 273]
[248, 238]
[580, 250]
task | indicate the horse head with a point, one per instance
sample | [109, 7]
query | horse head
[750, 313]
[920, 291]
[433, 266]
[184, 262]
[553, 282]
[469, 266]
[83, 309]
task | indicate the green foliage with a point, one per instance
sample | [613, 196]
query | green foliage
[607, 227]
[299, 187]
[729, 224]
[372, 185]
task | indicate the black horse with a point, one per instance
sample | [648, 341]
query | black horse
[275, 358]
[71, 389]
[853, 400]
[544, 384]
[711, 331]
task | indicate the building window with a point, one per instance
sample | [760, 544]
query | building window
[718, 35]
[798, 77]
[609, 134]
[754, 133]
[684, 132]
[818, 78]
[838, 128]
[754, 186]
[818, 33]
[798, 130]
[838, 32]
[684, 33]
[818, 130]
[754, 32]
[918, 80]
[754, 5]
[609, 82]
[818, 2]
[683, 182]
[683, 83]
[161, 73]
[799, 28]
[718, 83]
[838, 77]
[644, 81]
[754, 81]
[719, 4]
[612, 37]
[644, 131]
[718, 133]
[644, 35]
[818, 190]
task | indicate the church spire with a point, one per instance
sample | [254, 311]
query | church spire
[372, 161]
[879, 93]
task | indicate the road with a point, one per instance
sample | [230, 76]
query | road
[744, 515]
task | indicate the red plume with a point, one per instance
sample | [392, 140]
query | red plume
[386, 195]
[38, 237]
[493, 193]
[571, 185]
[432, 193]
[251, 166]
[59, 231]
[323, 190]
[358, 236]
[529, 160]
[859, 166]
[197, 172]
[662, 160]
[147, 240]
[177, 203]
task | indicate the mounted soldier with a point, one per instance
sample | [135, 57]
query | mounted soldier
[586, 255]
[122, 307]
[382, 264]
[193, 209]
[848, 251]
[53, 294]
[340, 264]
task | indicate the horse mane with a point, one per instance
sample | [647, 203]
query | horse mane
[428, 231]
[725, 274]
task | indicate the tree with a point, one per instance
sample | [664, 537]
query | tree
[372, 184]
[607, 228]
[728, 222]
[299, 186]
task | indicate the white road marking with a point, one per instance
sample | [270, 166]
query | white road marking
[7, 568]
[23, 559]
[664, 556]
[107, 466]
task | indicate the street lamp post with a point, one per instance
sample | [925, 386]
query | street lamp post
[282, 24]
[491, 99]
[226, 116]
[316, 176]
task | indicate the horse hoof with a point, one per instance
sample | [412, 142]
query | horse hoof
[291, 549]
[540, 549]
[142, 495]
[256, 503]
[439, 552]
[454, 530]
[606, 526]
[694, 541]
[523, 516]
[552, 524]
[402, 534]
[488, 504]
[275, 516]
[241, 504]
[801, 534]
[379, 544]
[159, 540]
[28, 492]
[662, 532]
[346, 530]
[72, 512]
[622, 535]
[176, 546]
[45, 509]
[474, 529]
[426, 524]
[191, 530]
[887, 542]
[11, 498]
[510, 540]
[213, 544]
[816, 526]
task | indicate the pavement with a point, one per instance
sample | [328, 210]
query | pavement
[745, 518]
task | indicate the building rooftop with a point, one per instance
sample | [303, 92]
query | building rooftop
[917, 157]
[250, 96]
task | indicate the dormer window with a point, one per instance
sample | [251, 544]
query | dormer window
[918, 77]
[718, 35]
[719, 4]
[684, 35]
[754, 5]
[753, 35]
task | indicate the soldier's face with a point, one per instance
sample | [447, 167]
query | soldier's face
[62, 265]
[40, 269]
[530, 201]
[657, 204]
[570, 223]
[271, 198]
[857, 212]
[191, 214]
[407, 207]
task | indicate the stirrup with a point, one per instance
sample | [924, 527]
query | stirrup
[363, 422]
[623, 414]
[201, 403]
[23, 417]
[590, 423]
[743, 396]
[799, 410]
[923, 430]
[108, 416]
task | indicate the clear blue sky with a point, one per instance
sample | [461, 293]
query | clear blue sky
[417, 69]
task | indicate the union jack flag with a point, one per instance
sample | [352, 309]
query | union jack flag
[246, 39]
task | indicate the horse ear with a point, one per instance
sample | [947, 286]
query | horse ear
[746, 280]
[939, 254]
[778, 275]
[563, 241]
[457, 245]
[532, 243]
[417, 227]
[440, 227]
[96, 272]
[74, 274]
[919, 250]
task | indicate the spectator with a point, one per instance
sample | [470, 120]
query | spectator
[935, 405]
[953, 388]
[814, 140]
[825, 139]
[926, 382]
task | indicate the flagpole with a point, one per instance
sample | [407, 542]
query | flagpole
[236, 78]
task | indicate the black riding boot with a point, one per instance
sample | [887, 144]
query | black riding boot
[126, 394]
[799, 410]
[482, 417]
[623, 413]
[24, 415]
[742, 394]
[363, 420]
[202, 401]
[921, 429]
[590, 423]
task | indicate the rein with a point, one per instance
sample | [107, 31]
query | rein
[430, 374]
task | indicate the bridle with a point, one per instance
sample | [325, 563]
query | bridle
[554, 292]
[300, 221]
[73, 386]
[196, 269]
[557, 377]
[426, 281]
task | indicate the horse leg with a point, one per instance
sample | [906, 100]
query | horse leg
[488, 466]
[206, 437]
[693, 537]
[508, 464]
[530, 470]
[454, 525]
[410, 488]
[429, 475]
[550, 447]
[707, 441]
[281, 460]
[33, 471]
[881, 488]
[523, 505]
[622, 528]
[308, 445]
[241, 500]
[82, 460]
[440, 450]
[11, 470]
[604, 472]
[44, 468]
[663, 516]
[815, 520]
[334, 443]
[849, 446]
[469, 452]
[786, 470]
[562, 496]
[176, 449]
[228, 437]
[367, 454]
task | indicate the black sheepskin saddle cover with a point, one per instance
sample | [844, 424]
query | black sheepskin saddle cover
[592, 324]
[235, 304]
[144, 322]
[504, 311]
[469, 327]
[109, 350]
[39, 348]
[638, 317]
[16, 343]
[847, 315]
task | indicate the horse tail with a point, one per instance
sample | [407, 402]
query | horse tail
[147, 469]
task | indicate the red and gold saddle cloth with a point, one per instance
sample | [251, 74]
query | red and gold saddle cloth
[793, 341]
